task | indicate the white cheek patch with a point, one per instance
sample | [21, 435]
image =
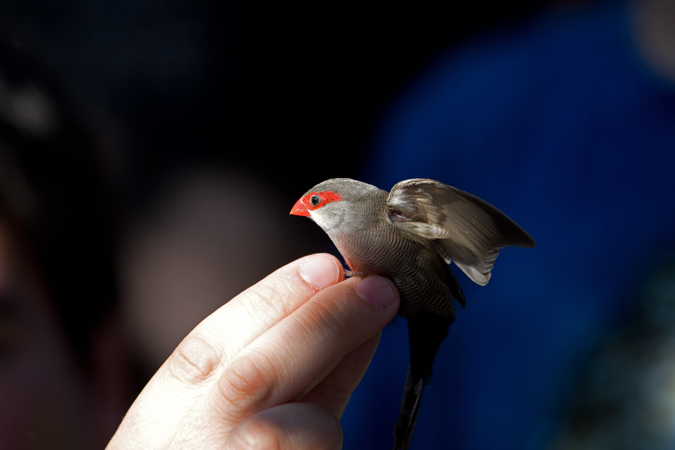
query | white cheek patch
[319, 219]
[328, 218]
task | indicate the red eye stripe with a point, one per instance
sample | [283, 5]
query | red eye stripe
[325, 196]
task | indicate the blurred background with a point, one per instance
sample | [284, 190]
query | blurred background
[256, 84]
[206, 120]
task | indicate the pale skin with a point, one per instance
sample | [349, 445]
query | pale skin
[273, 368]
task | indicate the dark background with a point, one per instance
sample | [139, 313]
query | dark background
[289, 89]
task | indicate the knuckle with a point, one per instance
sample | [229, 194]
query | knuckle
[265, 303]
[338, 320]
[245, 387]
[331, 394]
[194, 361]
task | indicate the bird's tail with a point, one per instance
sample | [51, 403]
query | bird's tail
[425, 332]
[410, 408]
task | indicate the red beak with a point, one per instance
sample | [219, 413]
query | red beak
[300, 209]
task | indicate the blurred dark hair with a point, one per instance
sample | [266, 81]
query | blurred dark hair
[54, 194]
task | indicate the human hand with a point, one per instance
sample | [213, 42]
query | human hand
[272, 369]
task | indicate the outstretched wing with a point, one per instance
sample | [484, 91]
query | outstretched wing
[464, 228]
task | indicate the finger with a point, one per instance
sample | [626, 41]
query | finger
[251, 313]
[334, 391]
[293, 426]
[209, 347]
[292, 357]
[184, 379]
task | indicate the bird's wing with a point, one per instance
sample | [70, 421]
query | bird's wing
[464, 228]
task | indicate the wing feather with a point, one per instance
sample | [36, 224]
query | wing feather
[465, 228]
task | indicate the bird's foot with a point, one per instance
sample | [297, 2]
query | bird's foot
[349, 273]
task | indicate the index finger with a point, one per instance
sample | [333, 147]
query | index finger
[250, 314]
[183, 382]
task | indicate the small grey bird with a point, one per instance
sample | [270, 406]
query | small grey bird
[411, 235]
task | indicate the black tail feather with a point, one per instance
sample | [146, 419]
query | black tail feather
[425, 333]
[410, 408]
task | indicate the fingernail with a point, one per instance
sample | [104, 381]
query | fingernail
[377, 291]
[320, 271]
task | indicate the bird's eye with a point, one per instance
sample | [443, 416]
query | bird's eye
[314, 200]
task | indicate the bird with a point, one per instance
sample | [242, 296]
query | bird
[411, 235]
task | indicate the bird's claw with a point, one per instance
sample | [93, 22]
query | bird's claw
[349, 273]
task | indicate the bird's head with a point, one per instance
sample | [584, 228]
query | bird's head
[335, 203]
